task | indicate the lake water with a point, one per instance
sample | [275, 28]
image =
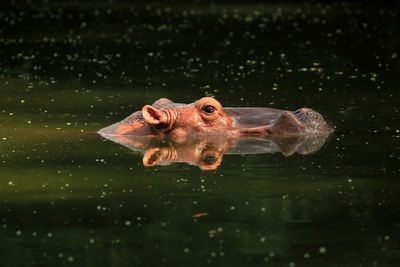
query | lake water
[69, 196]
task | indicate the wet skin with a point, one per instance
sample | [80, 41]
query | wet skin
[206, 117]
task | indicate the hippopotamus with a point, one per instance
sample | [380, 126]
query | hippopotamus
[206, 117]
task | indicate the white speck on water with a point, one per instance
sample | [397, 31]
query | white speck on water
[127, 223]
[70, 259]
[322, 250]
[18, 232]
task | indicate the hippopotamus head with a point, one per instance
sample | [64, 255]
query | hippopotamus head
[175, 120]
[207, 117]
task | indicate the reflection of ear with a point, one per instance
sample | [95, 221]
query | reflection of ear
[153, 115]
[152, 156]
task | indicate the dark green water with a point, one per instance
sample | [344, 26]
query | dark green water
[70, 197]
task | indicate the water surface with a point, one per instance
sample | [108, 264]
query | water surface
[68, 196]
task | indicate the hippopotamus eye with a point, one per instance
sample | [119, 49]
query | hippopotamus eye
[209, 109]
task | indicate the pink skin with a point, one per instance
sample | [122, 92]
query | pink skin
[206, 117]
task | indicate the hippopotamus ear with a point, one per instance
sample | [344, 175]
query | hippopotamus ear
[154, 115]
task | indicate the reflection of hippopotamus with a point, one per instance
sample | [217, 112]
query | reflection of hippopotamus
[206, 117]
[207, 151]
